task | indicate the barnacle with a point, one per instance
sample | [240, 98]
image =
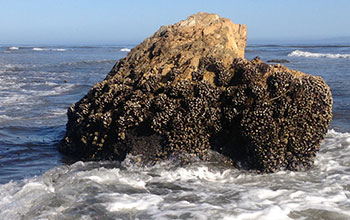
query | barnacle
[185, 100]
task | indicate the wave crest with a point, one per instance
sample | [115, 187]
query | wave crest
[125, 50]
[59, 49]
[299, 53]
[48, 49]
[13, 48]
[38, 49]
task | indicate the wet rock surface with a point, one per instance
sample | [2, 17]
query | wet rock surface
[188, 91]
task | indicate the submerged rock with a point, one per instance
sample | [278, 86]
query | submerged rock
[188, 91]
[278, 61]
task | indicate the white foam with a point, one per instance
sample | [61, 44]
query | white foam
[299, 53]
[16, 91]
[197, 191]
[272, 212]
[133, 202]
[125, 50]
[49, 49]
[16, 67]
[57, 112]
[58, 90]
[59, 49]
[201, 173]
[19, 200]
[112, 176]
[14, 99]
[39, 49]
[5, 119]
[13, 48]
[51, 83]
[55, 90]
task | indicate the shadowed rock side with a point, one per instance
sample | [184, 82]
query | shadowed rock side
[188, 91]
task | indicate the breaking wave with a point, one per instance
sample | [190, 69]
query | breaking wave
[88, 190]
[39, 49]
[13, 48]
[299, 53]
[125, 50]
[48, 49]
[59, 49]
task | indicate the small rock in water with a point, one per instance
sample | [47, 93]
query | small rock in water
[188, 91]
[278, 61]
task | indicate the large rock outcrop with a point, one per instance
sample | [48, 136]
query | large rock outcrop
[188, 91]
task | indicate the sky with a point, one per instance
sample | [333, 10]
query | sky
[130, 21]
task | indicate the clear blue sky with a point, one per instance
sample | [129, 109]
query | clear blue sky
[130, 21]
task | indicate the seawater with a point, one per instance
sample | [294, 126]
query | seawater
[38, 84]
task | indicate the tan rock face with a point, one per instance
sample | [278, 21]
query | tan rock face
[188, 91]
[180, 46]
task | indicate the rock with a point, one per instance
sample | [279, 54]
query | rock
[188, 91]
[278, 61]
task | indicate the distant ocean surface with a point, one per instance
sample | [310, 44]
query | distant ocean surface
[39, 83]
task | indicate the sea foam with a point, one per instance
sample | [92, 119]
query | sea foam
[125, 50]
[59, 49]
[299, 53]
[38, 49]
[49, 49]
[198, 191]
[13, 48]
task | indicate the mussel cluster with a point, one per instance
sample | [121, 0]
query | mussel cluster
[260, 116]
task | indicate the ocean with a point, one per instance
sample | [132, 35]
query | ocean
[38, 84]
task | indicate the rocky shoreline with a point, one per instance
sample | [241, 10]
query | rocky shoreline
[188, 91]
